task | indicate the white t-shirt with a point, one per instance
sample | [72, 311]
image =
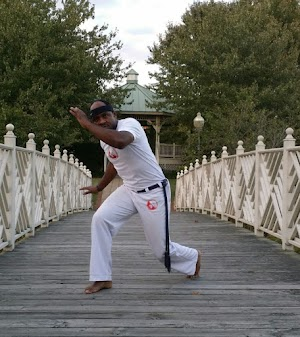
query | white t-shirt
[136, 163]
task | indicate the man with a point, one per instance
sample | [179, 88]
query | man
[144, 191]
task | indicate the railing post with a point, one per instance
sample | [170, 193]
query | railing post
[46, 152]
[191, 191]
[260, 146]
[288, 143]
[213, 158]
[239, 150]
[65, 182]
[10, 140]
[196, 192]
[58, 199]
[185, 178]
[31, 146]
[223, 177]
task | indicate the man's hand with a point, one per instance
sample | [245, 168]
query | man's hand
[89, 189]
[80, 116]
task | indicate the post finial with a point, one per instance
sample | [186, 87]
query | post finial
[260, 144]
[57, 151]
[289, 140]
[71, 159]
[45, 148]
[31, 145]
[10, 127]
[213, 156]
[65, 155]
[240, 149]
[10, 138]
[224, 151]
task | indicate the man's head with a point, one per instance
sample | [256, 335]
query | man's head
[102, 113]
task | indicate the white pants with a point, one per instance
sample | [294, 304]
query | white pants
[115, 211]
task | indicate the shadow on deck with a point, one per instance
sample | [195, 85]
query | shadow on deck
[248, 285]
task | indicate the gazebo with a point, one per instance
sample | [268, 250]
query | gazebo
[136, 105]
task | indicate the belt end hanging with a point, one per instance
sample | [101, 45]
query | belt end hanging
[168, 261]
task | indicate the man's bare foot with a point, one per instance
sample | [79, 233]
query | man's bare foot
[97, 286]
[197, 270]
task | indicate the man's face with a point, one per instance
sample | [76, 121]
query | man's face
[105, 119]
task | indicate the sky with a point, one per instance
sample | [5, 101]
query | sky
[138, 24]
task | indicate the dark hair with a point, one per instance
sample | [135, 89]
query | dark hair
[101, 100]
[107, 107]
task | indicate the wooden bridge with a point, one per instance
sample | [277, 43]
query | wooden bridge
[249, 286]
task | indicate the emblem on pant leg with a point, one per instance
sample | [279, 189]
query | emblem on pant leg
[152, 205]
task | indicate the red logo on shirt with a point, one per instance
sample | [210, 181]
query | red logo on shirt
[152, 205]
[112, 153]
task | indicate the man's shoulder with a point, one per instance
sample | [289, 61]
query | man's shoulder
[129, 120]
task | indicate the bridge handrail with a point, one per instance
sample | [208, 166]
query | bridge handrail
[259, 188]
[36, 187]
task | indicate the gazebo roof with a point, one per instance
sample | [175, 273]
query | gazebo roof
[138, 97]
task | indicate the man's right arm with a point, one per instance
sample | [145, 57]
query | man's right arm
[108, 176]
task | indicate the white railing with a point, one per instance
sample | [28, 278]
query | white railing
[260, 189]
[170, 150]
[36, 188]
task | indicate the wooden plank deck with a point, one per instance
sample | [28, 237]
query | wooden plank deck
[248, 285]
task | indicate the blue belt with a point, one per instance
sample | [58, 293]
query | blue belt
[150, 188]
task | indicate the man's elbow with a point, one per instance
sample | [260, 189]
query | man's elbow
[121, 145]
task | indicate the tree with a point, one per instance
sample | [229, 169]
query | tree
[48, 62]
[237, 63]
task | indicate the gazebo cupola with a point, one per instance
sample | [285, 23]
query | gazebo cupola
[132, 76]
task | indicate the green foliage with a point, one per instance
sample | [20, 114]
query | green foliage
[238, 64]
[91, 154]
[48, 62]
